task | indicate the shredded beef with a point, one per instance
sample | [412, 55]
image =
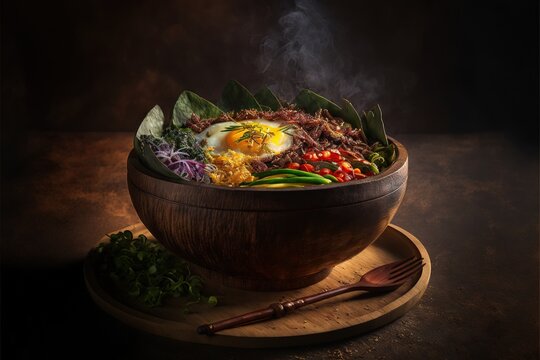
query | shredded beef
[198, 125]
[320, 131]
[258, 165]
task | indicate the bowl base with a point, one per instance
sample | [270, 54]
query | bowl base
[214, 281]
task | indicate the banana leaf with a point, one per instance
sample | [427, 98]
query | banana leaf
[152, 124]
[350, 115]
[374, 125]
[189, 103]
[311, 102]
[236, 97]
[266, 97]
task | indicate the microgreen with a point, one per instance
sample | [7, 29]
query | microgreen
[148, 271]
[255, 133]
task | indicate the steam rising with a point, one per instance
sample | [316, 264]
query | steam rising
[301, 53]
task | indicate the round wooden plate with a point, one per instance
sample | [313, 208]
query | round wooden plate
[336, 318]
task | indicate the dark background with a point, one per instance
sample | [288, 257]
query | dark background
[441, 67]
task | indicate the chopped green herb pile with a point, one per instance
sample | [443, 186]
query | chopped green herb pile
[149, 272]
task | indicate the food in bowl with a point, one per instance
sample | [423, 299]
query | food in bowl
[262, 141]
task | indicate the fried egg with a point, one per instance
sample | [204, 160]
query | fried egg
[260, 138]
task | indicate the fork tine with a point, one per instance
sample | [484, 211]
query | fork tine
[399, 264]
[401, 278]
[405, 269]
[405, 265]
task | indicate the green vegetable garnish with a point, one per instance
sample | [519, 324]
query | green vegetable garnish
[287, 171]
[331, 178]
[148, 271]
[256, 133]
[292, 180]
[184, 141]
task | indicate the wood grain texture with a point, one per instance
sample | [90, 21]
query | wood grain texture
[337, 318]
[252, 238]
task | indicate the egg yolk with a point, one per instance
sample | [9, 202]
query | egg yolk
[254, 138]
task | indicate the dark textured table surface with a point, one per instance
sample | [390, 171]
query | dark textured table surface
[471, 199]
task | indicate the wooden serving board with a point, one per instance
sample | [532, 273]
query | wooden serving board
[336, 318]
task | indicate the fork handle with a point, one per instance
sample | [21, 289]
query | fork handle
[275, 310]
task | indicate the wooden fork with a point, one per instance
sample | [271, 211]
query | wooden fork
[381, 279]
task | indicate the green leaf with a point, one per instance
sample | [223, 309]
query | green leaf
[365, 167]
[311, 102]
[375, 126]
[350, 115]
[145, 270]
[152, 124]
[189, 103]
[236, 97]
[212, 301]
[324, 164]
[266, 97]
[387, 152]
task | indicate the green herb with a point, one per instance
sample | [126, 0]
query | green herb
[286, 129]
[189, 103]
[184, 141]
[148, 271]
[255, 133]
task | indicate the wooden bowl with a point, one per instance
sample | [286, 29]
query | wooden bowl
[267, 239]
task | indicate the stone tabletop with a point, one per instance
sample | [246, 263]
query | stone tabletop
[472, 200]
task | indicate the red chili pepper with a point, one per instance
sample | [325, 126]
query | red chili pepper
[311, 156]
[335, 155]
[325, 171]
[338, 174]
[307, 167]
[293, 165]
[326, 155]
[339, 179]
[360, 176]
[346, 166]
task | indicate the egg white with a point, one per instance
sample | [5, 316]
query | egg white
[214, 137]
